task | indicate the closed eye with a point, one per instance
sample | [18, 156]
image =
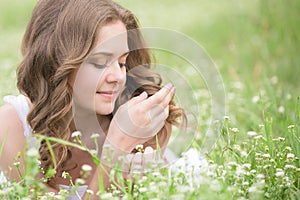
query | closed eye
[122, 65]
[99, 66]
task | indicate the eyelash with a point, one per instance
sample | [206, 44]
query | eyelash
[103, 66]
[122, 65]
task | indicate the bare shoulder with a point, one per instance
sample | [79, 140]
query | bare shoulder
[9, 119]
[11, 135]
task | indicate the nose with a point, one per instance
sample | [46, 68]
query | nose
[115, 73]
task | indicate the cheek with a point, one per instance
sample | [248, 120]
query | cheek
[124, 77]
[88, 77]
[85, 84]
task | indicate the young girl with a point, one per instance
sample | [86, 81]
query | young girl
[81, 64]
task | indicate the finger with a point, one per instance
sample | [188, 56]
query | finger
[166, 111]
[164, 94]
[138, 99]
[157, 110]
[149, 150]
[126, 164]
[136, 163]
[169, 97]
[156, 125]
[149, 154]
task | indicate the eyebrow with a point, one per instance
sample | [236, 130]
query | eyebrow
[102, 53]
[105, 53]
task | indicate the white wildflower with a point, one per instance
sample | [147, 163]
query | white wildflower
[251, 133]
[241, 192]
[244, 154]
[76, 134]
[267, 166]
[50, 194]
[281, 109]
[65, 174]
[143, 189]
[156, 174]
[32, 152]
[261, 126]
[289, 167]
[237, 147]
[246, 183]
[260, 176]
[258, 137]
[257, 154]
[288, 148]
[232, 163]
[290, 156]
[226, 117]
[240, 172]
[86, 168]
[258, 159]
[266, 155]
[255, 99]
[90, 192]
[235, 130]
[246, 165]
[291, 126]
[139, 146]
[95, 135]
[279, 174]
[63, 191]
[266, 148]
[80, 181]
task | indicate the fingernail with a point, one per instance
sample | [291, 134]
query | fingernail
[169, 85]
[143, 95]
[173, 89]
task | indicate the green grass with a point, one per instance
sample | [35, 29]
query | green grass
[256, 46]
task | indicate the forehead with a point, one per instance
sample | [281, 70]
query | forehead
[112, 38]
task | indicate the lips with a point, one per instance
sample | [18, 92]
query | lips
[107, 94]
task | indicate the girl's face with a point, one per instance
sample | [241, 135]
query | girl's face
[102, 76]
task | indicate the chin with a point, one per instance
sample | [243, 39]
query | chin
[104, 108]
[105, 111]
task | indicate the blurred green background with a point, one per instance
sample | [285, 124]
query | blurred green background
[255, 45]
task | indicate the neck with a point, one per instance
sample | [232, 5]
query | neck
[89, 123]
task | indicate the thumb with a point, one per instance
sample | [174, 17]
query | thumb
[139, 98]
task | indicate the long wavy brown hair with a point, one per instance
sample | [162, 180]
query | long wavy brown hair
[59, 36]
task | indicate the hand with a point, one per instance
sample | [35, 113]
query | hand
[140, 119]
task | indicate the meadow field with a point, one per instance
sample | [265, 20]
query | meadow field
[255, 46]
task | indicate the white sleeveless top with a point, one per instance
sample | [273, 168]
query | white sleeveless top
[21, 105]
